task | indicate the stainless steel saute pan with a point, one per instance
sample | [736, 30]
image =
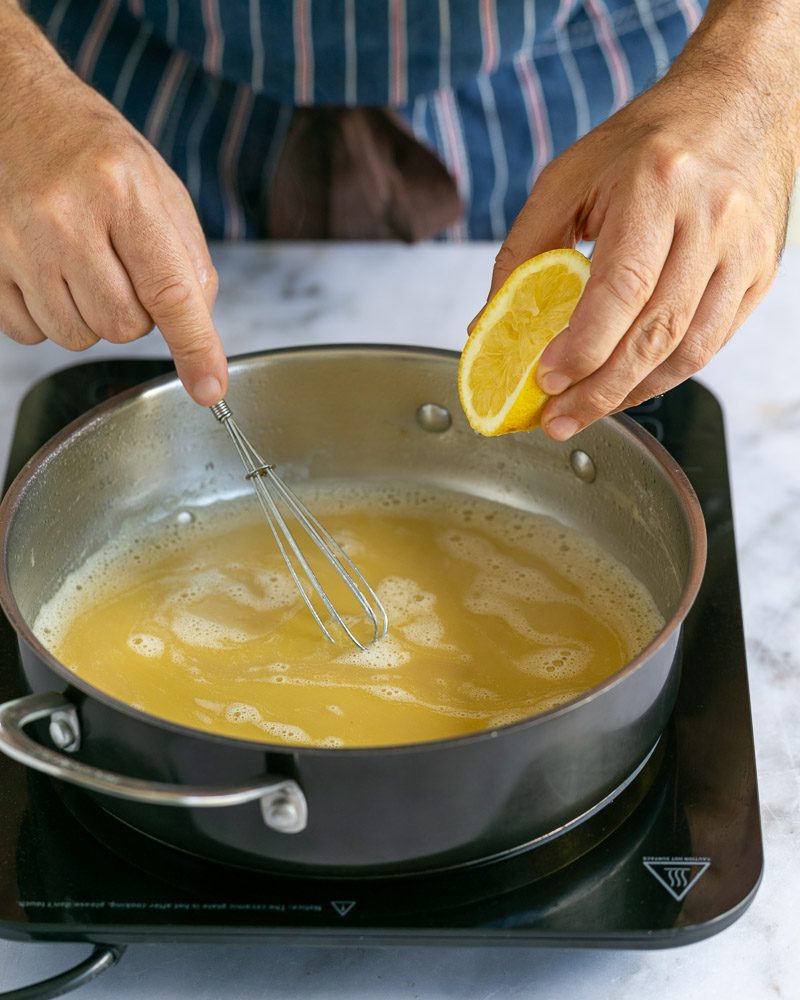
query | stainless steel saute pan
[366, 413]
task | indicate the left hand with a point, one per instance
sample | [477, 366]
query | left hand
[686, 193]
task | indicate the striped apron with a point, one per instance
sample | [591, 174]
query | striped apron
[495, 88]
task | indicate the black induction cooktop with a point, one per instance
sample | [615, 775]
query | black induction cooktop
[676, 857]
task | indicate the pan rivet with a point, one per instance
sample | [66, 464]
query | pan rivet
[434, 417]
[63, 732]
[282, 815]
[582, 466]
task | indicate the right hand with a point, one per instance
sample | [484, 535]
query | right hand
[99, 239]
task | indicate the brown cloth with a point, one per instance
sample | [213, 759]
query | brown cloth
[358, 174]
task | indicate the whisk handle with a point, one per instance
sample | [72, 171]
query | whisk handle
[221, 411]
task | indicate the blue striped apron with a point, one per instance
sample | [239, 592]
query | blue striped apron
[495, 88]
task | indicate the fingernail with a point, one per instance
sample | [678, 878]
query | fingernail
[207, 391]
[553, 382]
[562, 428]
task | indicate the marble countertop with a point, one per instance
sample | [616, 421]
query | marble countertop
[274, 295]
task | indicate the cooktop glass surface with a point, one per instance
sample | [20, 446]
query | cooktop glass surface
[674, 858]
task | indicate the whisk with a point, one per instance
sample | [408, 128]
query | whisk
[272, 494]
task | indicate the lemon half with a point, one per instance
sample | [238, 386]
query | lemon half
[497, 372]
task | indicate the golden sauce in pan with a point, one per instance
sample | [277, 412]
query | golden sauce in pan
[495, 615]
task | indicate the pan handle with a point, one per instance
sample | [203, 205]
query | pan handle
[283, 804]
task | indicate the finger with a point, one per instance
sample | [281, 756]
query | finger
[165, 283]
[52, 308]
[632, 246]
[15, 320]
[181, 210]
[545, 222]
[105, 297]
[653, 336]
[720, 312]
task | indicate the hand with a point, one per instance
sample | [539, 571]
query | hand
[686, 193]
[99, 239]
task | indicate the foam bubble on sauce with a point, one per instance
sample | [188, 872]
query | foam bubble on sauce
[285, 732]
[144, 644]
[478, 601]
[586, 573]
[386, 654]
[350, 543]
[411, 611]
[532, 708]
[241, 713]
[199, 631]
[331, 742]
[266, 590]
[268, 668]
[473, 692]
[404, 599]
[203, 614]
[213, 706]
[507, 575]
[555, 664]
[389, 692]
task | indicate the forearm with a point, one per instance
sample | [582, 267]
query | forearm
[749, 52]
[27, 58]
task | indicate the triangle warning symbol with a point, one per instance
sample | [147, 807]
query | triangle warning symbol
[343, 906]
[677, 875]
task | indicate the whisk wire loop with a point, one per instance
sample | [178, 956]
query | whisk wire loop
[266, 485]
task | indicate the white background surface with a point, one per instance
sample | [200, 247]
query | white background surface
[277, 295]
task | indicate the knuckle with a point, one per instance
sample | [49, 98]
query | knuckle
[639, 395]
[55, 210]
[113, 173]
[582, 360]
[603, 399]
[126, 330]
[505, 255]
[167, 296]
[76, 341]
[506, 258]
[629, 282]
[211, 279]
[693, 354]
[657, 336]
[669, 163]
[127, 322]
[730, 205]
[195, 350]
[18, 334]
[70, 333]
[599, 399]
